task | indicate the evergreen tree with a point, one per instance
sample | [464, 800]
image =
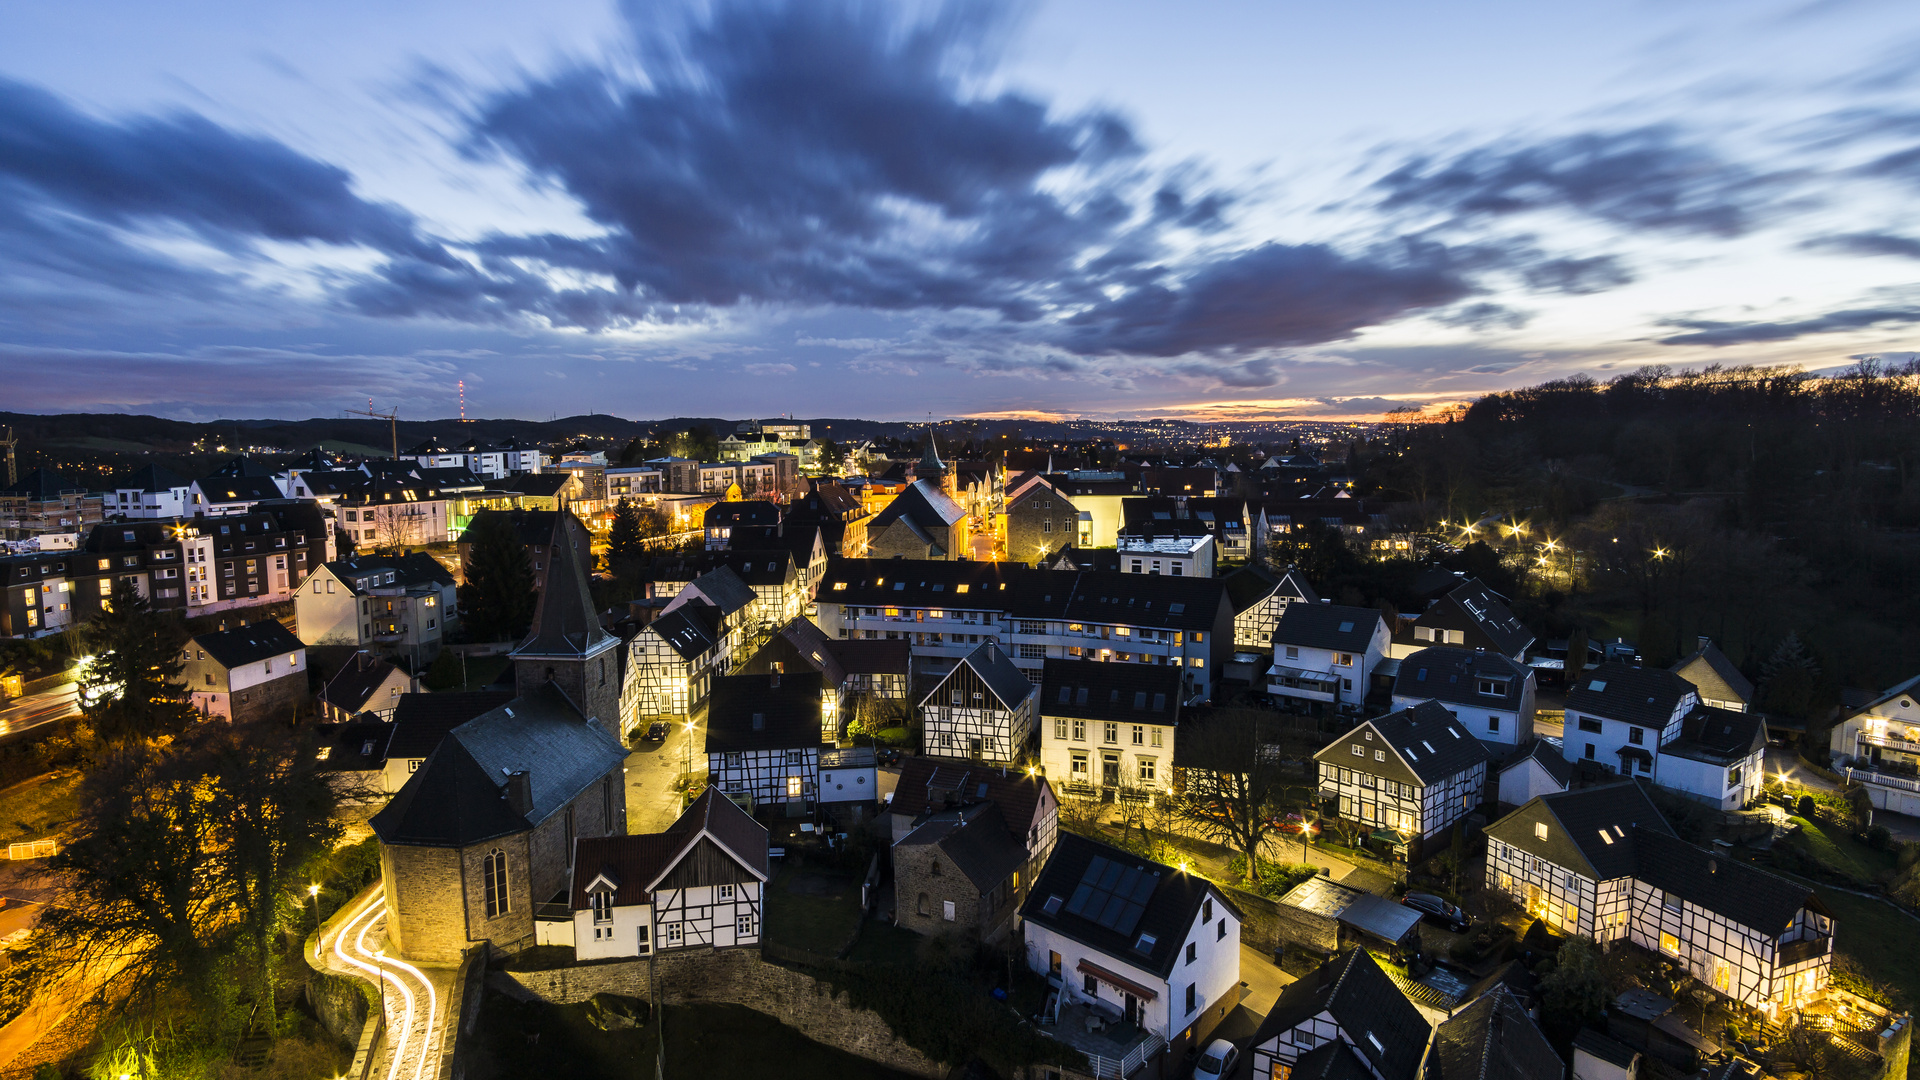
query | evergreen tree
[498, 598]
[1575, 993]
[623, 542]
[1790, 679]
[130, 686]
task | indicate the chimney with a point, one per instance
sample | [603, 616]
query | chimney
[520, 792]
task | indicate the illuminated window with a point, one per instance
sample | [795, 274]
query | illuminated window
[1669, 944]
[793, 787]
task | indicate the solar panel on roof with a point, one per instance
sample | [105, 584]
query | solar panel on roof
[1113, 895]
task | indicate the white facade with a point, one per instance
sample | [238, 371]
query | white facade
[1175, 556]
[330, 611]
[700, 916]
[769, 776]
[1084, 756]
[1526, 780]
[136, 503]
[245, 677]
[1597, 738]
[964, 717]
[1328, 676]
[408, 524]
[1213, 973]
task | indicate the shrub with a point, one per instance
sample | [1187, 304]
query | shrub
[1276, 879]
[1806, 808]
[1879, 838]
[893, 736]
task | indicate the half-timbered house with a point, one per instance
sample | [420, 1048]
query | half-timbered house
[982, 710]
[1489, 693]
[1131, 941]
[1107, 730]
[763, 738]
[700, 884]
[1259, 597]
[733, 599]
[1350, 1009]
[1603, 862]
[1415, 771]
[671, 663]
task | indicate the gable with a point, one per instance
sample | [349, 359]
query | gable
[704, 863]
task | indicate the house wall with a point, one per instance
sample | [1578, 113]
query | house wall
[1569, 902]
[591, 683]
[927, 882]
[1526, 781]
[1354, 678]
[843, 784]
[766, 774]
[1614, 734]
[327, 612]
[1214, 972]
[279, 697]
[950, 729]
[1065, 740]
[1277, 1054]
[1039, 524]
[1723, 787]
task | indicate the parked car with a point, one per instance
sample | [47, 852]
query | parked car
[1437, 911]
[1294, 823]
[657, 731]
[1217, 1060]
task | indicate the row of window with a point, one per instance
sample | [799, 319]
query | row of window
[1139, 734]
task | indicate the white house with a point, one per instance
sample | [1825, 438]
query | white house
[1602, 862]
[699, 884]
[983, 709]
[1879, 746]
[1534, 770]
[1347, 1018]
[1178, 556]
[151, 492]
[1650, 723]
[253, 671]
[1469, 615]
[1415, 771]
[364, 684]
[671, 663]
[1718, 682]
[393, 604]
[1596, 1057]
[1107, 730]
[1124, 939]
[763, 738]
[1489, 693]
[1324, 655]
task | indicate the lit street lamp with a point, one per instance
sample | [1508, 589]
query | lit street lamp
[313, 891]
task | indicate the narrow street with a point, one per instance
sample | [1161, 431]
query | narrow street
[415, 997]
[652, 769]
[33, 710]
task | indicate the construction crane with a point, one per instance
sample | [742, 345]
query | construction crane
[10, 442]
[391, 416]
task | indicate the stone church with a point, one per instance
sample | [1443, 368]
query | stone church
[485, 829]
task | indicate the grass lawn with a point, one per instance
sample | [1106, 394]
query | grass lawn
[882, 942]
[1836, 849]
[37, 808]
[1879, 938]
[814, 909]
[534, 1039]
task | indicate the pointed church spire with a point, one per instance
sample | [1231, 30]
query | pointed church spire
[931, 467]
[564, 623]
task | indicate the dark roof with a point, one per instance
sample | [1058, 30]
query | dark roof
[1719, 736]
[539, 485]
[355, 745]
[803, 640]
[931, 783]
[356, 681]
[1065, 897]
[1549, 757]
[564, 621]
[873, 657]
[1320, 626]
[1604, 1048]
[449, 477]
[1093, 690]
[331, 482]
[764, 712]
[1617, 691]
[976, 839]
[421, 721]
[723, 589]
[759, 568]
[1253, 583]
[924, 509]
[1109, 596]
[1384, 1027]
[1490, 614]
[418, 568]
[633, 863]
[533, 527]
[1741, 892]
[690, 629]
[1429, 743]
[1575, 820]
[151, 478]
[1493, 1039]
[458, 795]
[44, 485]
[249, 644]
[741, 513]
[219, 489]
[1709, 670]
[1452, 674]
[242, 466]
[1333, 1060]
[1002, 676]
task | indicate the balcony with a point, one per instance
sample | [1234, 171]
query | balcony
[1795, 952]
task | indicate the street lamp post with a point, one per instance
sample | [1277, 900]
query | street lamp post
[314, 892]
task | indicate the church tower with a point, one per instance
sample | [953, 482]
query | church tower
[566, 645]
[932, 469]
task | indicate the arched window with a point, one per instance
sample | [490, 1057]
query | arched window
[494, 868]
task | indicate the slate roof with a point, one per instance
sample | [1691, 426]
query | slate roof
[873, 657]
[564, 621]
[1718, 736]
[1491, 615]
[933, 784]
[43, 485]
[1616, 691]
[635, 862]
[723, 589]
[690, 629]
[224, 489]
[151, 478]
[1574, 821]
[532, 527]
[1170, 910]
[355, 746]
[1708, 669]
[449, 477]
[758, 569]
[1430, 744]
[1604, 1048]
[1452, 674]
[408, 571]
[538, 485]
[1092, 690]
[1363, 1001]
[803, 638]
[331, 482]
[1493, 1039]
[751, 512]
[1319, 626]
[1333, 1060]
[1002, 676]
[458, 795]
[1743, 893]
[242, 466]
[1109, 596]
[1253, 583]
[249, 644]
[1549, 757]
[788, 708]
[356, 681]
[922, 507]
[421, 721]
[976, 839]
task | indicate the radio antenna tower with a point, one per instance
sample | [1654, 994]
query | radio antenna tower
[463, 401]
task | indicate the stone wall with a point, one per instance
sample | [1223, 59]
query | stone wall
[1298, 927]
[275, 699]
[424, 895]
[1026, 542]
[1260, 924]
[512, 930]
[915, 876]
[736, 977]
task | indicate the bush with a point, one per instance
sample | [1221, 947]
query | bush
[444, 674]
[893, 736]
[1806, 808]
[1879, 838]
[1275, 880]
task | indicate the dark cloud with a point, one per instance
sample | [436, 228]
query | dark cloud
[1577, 276]
[1650, 178]
[184, 169]
[1708, 332]
[1484, 316]
[1866, 243]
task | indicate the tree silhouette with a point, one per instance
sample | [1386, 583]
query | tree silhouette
[498, 598]
[130, 686]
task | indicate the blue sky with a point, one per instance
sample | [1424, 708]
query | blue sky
[1082, 207]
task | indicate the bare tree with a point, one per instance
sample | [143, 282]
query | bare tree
[1231, 784]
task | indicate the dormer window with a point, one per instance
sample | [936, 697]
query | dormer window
[1539, 830]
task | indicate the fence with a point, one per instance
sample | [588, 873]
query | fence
[33, 849]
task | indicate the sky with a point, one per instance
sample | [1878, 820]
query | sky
[1100, 208]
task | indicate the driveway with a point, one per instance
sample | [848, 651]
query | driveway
[652, 768]
[1783, 762]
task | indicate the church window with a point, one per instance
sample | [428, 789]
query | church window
[494, 870]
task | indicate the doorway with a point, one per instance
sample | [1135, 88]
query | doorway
[1133, 1010]
[1110, 770]
[1053, 963]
